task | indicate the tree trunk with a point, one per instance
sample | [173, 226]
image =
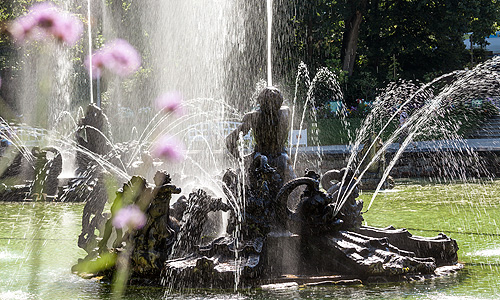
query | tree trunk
[350, 39]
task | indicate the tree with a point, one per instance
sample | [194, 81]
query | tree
[355, 15]
[390, 39]
[482, 16]
[426, 37]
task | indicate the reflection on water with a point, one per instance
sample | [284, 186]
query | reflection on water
[37, 250]
[38, 246]
[466, 212]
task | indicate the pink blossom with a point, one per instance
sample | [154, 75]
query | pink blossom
[118, 57]
[170, 102]
[67, 29]
[97, 65]
[130, 216]
[44, 20]
[170, 148]
[45, 14]
[22, 28]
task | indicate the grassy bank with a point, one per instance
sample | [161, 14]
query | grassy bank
[463, 122]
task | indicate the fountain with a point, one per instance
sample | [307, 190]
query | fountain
[256, 225]
[321, 235]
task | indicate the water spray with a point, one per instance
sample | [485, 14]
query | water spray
[269, 32]
[90, 53]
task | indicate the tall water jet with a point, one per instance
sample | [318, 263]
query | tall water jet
[269, 42]
[89, 29]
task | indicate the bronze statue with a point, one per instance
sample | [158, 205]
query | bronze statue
[271, 125]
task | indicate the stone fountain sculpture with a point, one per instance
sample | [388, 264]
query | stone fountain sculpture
[93, 137]
[319, 238]
[31, 175]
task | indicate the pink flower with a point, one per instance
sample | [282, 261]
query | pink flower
[67, 29]
[44, 20]
[45, 14]
[170, 102]
[130, 216]
[118, 56]
[22, 28]
[169, 148]
[97, 64]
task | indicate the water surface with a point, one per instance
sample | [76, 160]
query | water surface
[38, 246]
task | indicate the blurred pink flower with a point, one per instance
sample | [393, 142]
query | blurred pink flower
[130, 216]
[118, 56]
[67, 29]
[44, 20]
[45, 14]
[170, 148]
[97, 64]
[22, 28]
[170, 102]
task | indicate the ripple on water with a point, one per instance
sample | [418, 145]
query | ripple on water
[458, 297]
[15, 295]
[7, 255]
[486, 252]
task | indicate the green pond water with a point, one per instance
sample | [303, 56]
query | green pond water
[38, 246]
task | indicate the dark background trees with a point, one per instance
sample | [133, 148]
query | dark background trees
[367, 43]
[373, 42]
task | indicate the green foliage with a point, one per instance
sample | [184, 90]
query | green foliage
[105, 262]
[318, 28]
[360, 85]
[397, 40]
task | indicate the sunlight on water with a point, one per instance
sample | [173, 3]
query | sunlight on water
[441, 297]
[466, 212]
[7, 255]
[16, 295]
[486, 252]
[38, 246]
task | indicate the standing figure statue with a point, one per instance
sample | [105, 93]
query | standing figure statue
[271, 125]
